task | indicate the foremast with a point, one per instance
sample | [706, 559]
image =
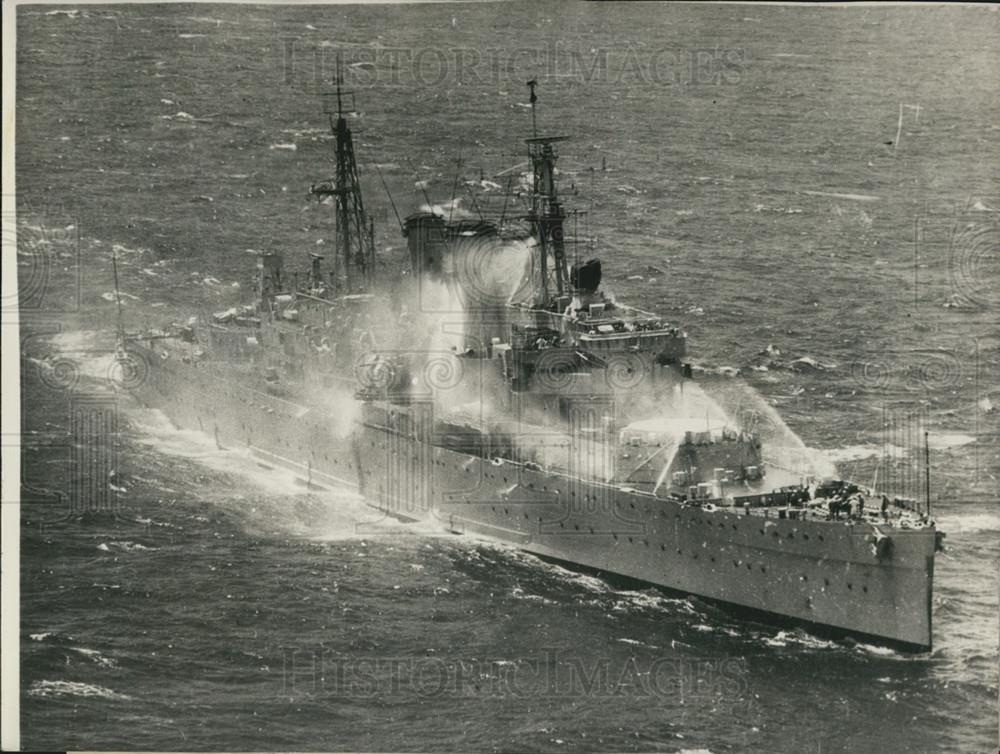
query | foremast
[354, 259]
[546, 216]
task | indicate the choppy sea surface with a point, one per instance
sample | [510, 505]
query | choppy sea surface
[818, 180]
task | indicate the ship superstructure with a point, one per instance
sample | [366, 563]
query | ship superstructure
[552, 417]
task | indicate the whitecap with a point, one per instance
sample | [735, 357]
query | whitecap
[96, 657]
[73, 688]
[946, 440]
[880, 651]
[837, 195]
[809, 361]
[127, 546]
[636, 642]
[859, 452]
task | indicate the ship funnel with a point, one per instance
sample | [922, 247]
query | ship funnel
[586, 276]
[426, 241]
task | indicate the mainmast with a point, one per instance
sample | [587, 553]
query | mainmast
[354, 260]
[546, 213]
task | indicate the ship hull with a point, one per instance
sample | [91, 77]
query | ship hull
[807, 571]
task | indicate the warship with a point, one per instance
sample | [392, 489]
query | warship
[532, 409]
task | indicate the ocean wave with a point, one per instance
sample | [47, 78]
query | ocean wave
[629, 601]
[838, 195]
[636, 642]
[974, 523]
[518, 593]
[948, 440]
[123, 546]
[860, 452]
[808, 362]
[73, 688]
[96, 657]
[798, 638]
[877, 650]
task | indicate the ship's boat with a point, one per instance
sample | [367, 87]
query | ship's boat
[494, 387]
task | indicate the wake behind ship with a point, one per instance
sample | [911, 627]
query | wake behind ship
[487, 382]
